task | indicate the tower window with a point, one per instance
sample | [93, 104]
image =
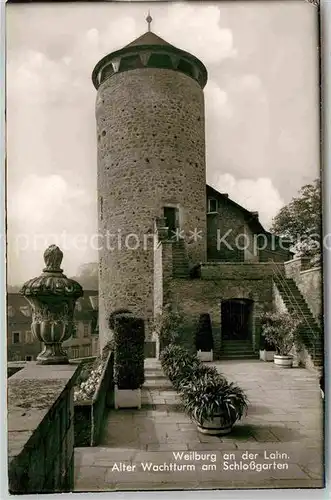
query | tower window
[160, 61]
[107, 72]
[212, 206]
[130, 62]
[186, 68]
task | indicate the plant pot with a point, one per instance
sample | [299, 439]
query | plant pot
[283, 361]
[267, 355]
[214, 427]
[205, 355]
[127, 398]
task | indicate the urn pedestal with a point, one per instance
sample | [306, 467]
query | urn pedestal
[52, 297]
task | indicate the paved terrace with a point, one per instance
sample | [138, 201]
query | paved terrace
[284, 417]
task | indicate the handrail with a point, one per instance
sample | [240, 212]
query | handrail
[279, 275]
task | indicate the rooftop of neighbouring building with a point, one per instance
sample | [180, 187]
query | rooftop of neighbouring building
[19, 310]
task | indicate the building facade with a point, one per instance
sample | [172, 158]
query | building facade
[22, 346]
[168, 237]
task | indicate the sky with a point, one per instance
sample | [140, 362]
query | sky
[261, 104]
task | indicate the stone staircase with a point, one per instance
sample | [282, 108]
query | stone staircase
[237, 349]
[180, 265]
[310, 332]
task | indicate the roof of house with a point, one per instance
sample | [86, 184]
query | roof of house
[250, 217]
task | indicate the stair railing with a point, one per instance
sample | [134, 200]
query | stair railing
[279, 275]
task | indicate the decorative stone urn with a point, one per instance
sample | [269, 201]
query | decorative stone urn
[52, 297]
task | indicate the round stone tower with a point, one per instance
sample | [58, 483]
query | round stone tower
[151, 164]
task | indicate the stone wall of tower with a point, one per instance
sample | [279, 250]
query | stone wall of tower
[151, 152]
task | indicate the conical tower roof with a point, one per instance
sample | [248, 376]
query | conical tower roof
[148, 38]
[151, 44]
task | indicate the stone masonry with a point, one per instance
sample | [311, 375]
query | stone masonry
[151, 154]
[151, 157]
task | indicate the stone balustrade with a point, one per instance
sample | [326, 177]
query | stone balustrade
[90, 413]
[41, 429]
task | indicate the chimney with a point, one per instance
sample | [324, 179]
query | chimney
[225, 195]
[255, 214]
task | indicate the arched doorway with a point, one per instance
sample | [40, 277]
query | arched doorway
[237, 319]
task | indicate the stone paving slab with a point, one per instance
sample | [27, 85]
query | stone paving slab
[284, 417]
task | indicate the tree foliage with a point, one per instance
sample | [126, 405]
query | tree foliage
[300, 221]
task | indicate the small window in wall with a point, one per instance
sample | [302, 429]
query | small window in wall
[75, 352]
[86, 330]
[212, 206]
[10, 311]
[16, 337]
[28, 358]
[87, 351]
[101, 207]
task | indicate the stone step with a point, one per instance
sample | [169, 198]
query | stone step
[309, 331]
[236, 349]
[238, 356]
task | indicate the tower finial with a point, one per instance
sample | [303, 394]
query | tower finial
[149, 20]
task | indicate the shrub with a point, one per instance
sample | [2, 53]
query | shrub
[169, 325]
[281, 330]
[205, 393]
[180, 366]
[265, 345]
[88, 379]
[204, 334]
[129, 338]
[177, 363]
[211, 395]
[112, 317]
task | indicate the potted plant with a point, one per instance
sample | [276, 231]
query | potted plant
[213, 403]
[280, 329]
[204, 341]
[178, 364]
[129, 337]
[267, 349]
[168, 325]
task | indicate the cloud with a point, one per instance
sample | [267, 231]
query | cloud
[217, 102]
[253, 194]
[43, 210]
[46, 198]
[37, 78]
[197, 30]
[254, 110]
[247, 82]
